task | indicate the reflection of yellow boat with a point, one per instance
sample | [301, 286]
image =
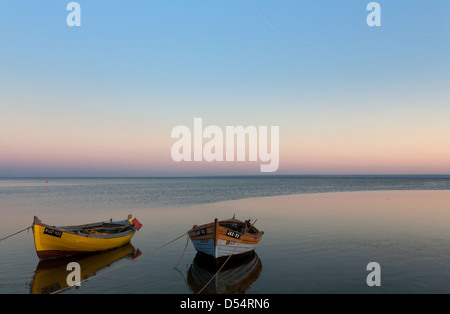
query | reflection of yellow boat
[225, 237]
[51, 241]
[51, 275]
[236, 276]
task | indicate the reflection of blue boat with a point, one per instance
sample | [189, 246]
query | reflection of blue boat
[51, 275]
[235, 277]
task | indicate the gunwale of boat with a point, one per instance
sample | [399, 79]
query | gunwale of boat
[227, 225]
[94, 230]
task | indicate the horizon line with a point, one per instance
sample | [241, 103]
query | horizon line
[236, 176]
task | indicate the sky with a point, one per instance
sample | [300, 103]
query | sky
[102, 99]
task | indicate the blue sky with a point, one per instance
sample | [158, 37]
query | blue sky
[297, 64]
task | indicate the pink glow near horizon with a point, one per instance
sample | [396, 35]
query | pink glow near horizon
[306, 147]
[307, 158]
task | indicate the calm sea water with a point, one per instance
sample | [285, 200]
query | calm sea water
[319, 242]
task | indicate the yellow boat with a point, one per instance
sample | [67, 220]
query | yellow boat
[52, 241]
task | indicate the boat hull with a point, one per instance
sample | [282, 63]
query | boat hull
[53, 242]
[218, 241]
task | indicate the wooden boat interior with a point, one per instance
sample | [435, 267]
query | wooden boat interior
[239, 226]
[101, 228]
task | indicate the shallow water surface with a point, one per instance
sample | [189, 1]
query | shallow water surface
[317, 241]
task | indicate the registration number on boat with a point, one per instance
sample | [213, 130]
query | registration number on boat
[233, 234]
[200, 232]
[53, 232]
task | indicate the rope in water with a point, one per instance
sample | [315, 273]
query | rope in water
[121, 265]
[184, 251]
[16, 233]
[223, 265]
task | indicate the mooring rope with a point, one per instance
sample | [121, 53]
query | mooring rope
[16, 233]
[184, 251]
[179, 260]
[121, 265]
[223, 265]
